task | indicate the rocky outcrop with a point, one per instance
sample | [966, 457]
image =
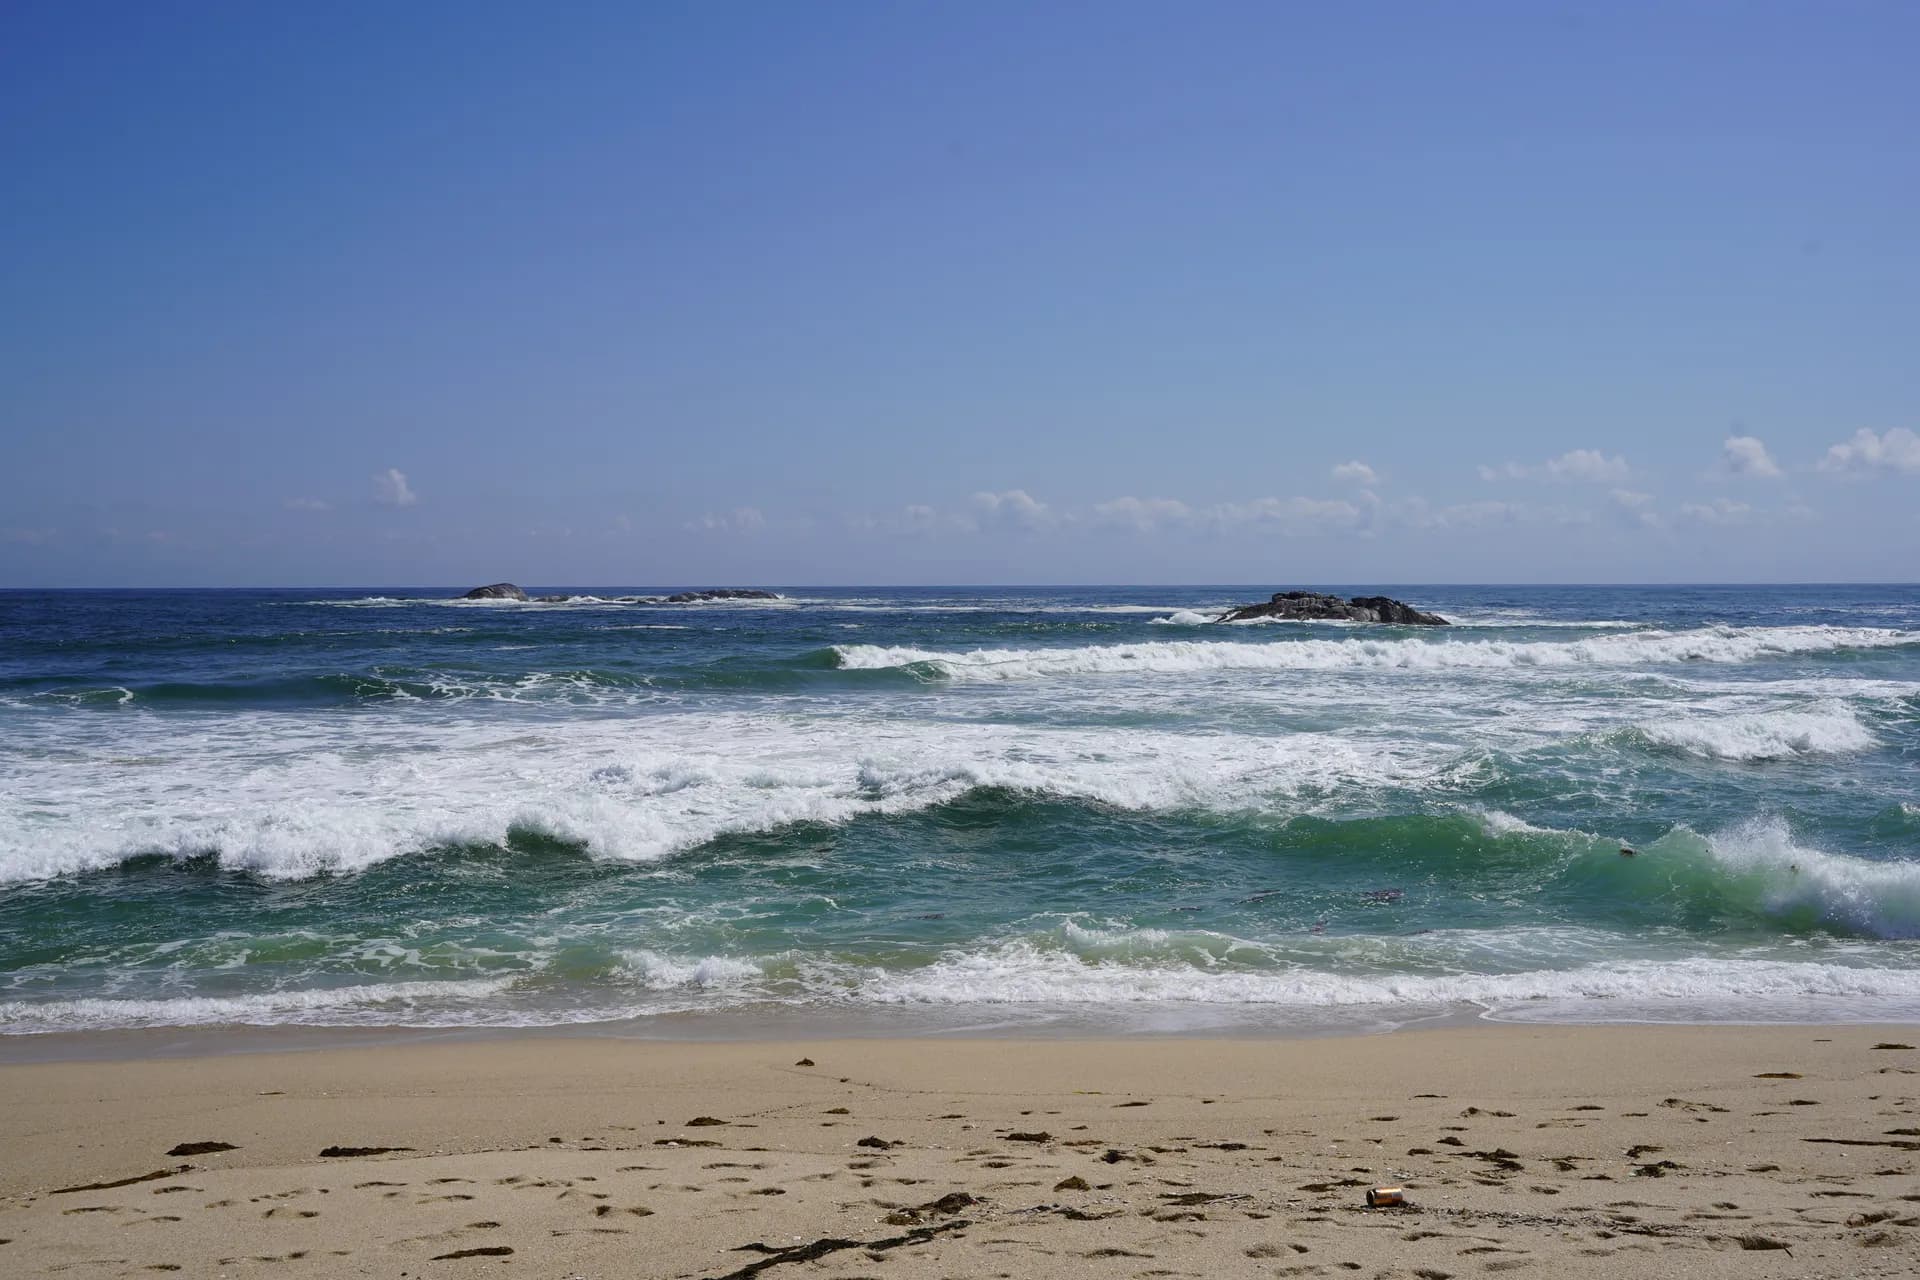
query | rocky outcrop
[1316, 606]
[496, 591]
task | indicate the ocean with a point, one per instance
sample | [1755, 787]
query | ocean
[1084, 809]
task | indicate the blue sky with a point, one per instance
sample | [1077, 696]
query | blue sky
[633, 294]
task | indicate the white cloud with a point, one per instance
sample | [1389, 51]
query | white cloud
[1719, 511]
[1143, 514]
[1898, 449]
[738, 520]
[1356, 472]
[313, 504]
[1747, 456]
[1588, 466]
[1364, 514]
[29, 537]
[1015, 507]
[390, 489]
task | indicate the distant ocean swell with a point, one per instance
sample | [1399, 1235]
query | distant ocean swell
[818, 668]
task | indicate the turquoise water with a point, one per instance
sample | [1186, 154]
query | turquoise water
[956, 807]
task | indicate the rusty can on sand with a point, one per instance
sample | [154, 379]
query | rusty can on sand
[1386, 1198]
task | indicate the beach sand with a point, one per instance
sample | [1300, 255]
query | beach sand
[1570, 1151]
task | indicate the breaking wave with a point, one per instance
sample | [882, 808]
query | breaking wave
[1716, 644]
[1759, 866]
[1831, 729]
[632, 790]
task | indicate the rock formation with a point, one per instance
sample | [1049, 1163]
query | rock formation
[724, 593]
[1315, 606]
[496, 591]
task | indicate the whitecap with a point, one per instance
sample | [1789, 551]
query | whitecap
[1830, 729]
[1172, 657]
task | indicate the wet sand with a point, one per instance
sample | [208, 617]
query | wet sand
[1779, 1151]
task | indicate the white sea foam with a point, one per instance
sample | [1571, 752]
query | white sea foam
[285, 797]
[1172, 657]
[1497, 823]
[1824, 688]
[1830, 729]
[580, 601]
[1098, 973]
[661, 973]
[380, 1003]
[829, 604]
[1531, 619]
[1022, 973]
[1007, 605]
[1503, 621]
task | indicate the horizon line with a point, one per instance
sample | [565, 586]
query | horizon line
[961, 586]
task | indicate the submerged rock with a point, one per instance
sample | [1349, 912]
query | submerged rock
[1317, 606]
[496, 591]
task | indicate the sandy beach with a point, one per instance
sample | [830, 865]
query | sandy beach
[1781, 1151]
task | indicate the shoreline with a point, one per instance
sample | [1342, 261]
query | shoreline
[1748, 1151]
[1126, 1024]
[1016, 1023]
